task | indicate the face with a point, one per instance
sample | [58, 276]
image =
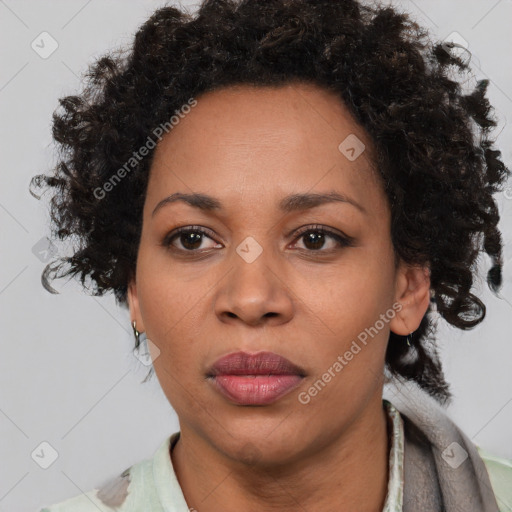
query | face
[262, 272]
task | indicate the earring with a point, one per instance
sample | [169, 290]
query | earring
[408, 336]
[136, 334]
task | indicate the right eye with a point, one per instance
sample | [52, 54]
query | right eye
[190, 238]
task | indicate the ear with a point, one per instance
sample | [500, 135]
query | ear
[412, 291]
[133, 304]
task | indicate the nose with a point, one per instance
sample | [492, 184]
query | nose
[254, 292]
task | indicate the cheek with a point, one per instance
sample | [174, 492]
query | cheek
[348, 299]
[344, 310]
[171, 318]
[171, 309]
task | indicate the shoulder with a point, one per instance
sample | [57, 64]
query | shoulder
[117, 494]
[500, 475]
[150, 484]
[111, 496]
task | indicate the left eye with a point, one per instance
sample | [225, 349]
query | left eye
[192, 237]
[316, 237]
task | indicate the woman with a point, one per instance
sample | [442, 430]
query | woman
[285, 194]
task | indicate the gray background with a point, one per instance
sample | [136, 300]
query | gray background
[67, 373]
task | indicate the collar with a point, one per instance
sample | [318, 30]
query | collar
[394, 498]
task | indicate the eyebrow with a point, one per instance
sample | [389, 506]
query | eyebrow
[291, 203]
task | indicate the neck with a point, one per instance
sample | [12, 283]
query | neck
[350, 473]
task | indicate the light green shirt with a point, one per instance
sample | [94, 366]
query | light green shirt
[151, 484]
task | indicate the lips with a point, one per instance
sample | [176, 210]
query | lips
[254, 379]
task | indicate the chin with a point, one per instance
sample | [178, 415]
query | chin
[259, 449]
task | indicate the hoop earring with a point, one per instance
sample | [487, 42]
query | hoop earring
[136, 334]
[409, 336]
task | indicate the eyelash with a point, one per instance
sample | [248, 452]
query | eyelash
[342, 240]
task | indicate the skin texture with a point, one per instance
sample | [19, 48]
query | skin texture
[250, 147]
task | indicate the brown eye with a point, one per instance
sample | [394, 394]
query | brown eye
[315, 238]
[190, 238]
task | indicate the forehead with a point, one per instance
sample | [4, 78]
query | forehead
[249, 143]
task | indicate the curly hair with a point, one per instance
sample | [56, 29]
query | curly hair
[438, 166]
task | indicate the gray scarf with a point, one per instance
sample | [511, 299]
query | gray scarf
[443, 471]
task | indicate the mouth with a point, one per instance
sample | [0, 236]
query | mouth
[254, 379]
